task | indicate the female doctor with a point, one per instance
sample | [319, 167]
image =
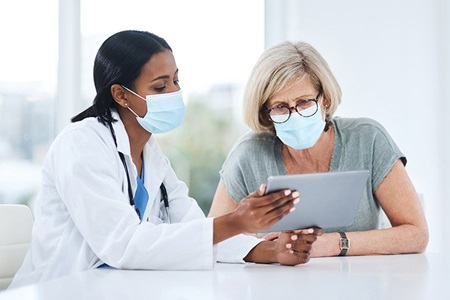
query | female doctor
[109, 196]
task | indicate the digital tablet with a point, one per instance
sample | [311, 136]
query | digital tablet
[326, 199]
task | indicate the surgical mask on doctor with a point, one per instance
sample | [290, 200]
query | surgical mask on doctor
[165, 112]
[300, 132]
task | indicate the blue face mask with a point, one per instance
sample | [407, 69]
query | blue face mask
[299, 132]
[165, 112]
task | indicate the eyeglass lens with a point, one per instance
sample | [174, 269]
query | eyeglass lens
[304, 108]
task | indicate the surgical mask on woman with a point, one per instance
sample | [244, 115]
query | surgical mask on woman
[165, 112]
[301, 132]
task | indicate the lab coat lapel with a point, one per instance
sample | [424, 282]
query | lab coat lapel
[156, 168]
[156, 165]
[123, 143]
[123, 146]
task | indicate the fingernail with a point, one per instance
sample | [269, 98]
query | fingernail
[310, 230]
[289, 246]
[294, 237]
[291, 252]
[292, 209]
[287, 192]
[295, 194]
[296, 200]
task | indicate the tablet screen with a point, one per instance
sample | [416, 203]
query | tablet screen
[326, 199]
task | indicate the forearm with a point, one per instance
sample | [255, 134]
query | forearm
[224, 228]
[400, 239]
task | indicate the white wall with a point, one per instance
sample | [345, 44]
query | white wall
[392, 61]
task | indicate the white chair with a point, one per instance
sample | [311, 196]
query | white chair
[16, 222]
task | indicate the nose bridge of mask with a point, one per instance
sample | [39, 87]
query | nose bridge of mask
[301, 121]
[163, 96]
[164, 102]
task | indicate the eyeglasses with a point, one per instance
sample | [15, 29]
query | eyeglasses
[305, 108]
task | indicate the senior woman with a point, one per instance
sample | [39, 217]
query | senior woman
[289, 103]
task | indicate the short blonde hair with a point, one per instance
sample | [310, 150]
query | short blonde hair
[277, 68]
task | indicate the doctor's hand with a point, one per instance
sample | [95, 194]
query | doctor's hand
[294, 247]
[258, 212]
[289, 248]
[255, 213]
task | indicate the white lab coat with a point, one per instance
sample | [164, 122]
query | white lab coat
[83, 217]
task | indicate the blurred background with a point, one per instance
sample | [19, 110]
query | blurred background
[392, 59]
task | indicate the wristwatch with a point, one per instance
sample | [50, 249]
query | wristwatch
[344, 244]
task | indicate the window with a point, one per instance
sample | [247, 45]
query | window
[27, 88]
[215, 43]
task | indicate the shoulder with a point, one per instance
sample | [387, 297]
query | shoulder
[356, 123]
[364, 127]
[83, 136]
[84, 129]
[250, 150]
[355, 132]
[255, 141]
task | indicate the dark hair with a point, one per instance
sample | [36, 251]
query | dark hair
[119, 61]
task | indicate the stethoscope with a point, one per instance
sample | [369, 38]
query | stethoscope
[164, 196]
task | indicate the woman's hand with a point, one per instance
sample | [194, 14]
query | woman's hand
[294, 247]
[258, 212]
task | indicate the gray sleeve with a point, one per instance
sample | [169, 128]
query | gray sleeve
[385, 154]
[364, 144]
[249, 163]
[232, 175]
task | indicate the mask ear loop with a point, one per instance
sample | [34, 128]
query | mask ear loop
[135, 95]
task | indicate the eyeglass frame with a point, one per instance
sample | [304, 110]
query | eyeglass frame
[316, 100]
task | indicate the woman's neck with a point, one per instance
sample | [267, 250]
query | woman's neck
[312, 160]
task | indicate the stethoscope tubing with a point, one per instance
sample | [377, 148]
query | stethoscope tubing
[164, 195]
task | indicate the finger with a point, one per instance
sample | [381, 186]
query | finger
[259, 192]
[301, 247]
[318, 231]
[277, 198]
[272, 236]
[312, 230]
[258, 199]
[306, 238]
[300, 256]
[280, 212]
[290, 199]
[262, 190]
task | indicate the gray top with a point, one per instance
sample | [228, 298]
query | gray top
[359, 144]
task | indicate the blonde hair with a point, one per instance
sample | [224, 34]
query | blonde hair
[277, 68]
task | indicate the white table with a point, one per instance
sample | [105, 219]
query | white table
[418, 276]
